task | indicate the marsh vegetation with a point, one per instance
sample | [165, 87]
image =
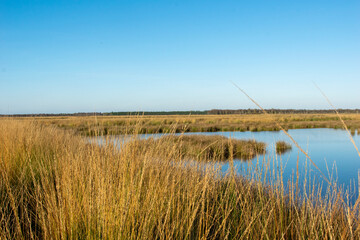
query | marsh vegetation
[282, 147]
[114, 125]
[208, 148]
[55, 185]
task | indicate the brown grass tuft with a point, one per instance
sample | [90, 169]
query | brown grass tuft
[207, 148]
[282, 147]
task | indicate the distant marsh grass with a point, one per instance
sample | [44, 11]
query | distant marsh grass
[113, 125]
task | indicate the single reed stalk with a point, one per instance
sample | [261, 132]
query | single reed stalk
[342, 121]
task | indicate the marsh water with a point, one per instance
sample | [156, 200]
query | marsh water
[331, 150]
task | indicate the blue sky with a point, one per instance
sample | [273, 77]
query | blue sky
[83, 55]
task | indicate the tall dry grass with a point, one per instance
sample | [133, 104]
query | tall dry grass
[56, 185]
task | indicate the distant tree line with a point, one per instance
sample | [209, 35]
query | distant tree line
[54, 114]
[207, 112]
[279, 111]
[159, 113]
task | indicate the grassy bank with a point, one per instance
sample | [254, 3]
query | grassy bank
[55, 185]
[112, 125]
[208, 148]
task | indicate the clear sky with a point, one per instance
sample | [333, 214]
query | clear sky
[84, 55]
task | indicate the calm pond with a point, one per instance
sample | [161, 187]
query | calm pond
[330, 149]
